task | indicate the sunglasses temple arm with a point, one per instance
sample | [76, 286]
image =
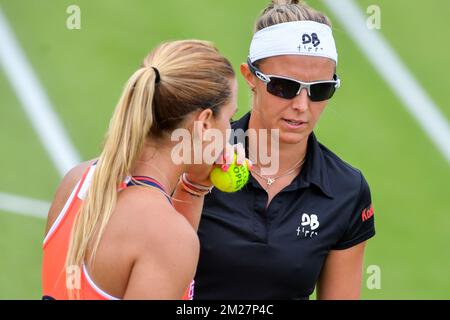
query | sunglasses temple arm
[253, 69]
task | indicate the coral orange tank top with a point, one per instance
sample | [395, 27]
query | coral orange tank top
[55, 279]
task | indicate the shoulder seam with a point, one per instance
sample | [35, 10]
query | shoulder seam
[334, 156]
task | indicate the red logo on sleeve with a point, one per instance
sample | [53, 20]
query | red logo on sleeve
[367, 213]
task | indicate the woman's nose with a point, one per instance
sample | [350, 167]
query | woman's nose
[301, 102]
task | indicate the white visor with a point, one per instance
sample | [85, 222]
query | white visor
[307, 38]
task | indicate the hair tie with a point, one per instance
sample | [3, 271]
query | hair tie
[158, 77]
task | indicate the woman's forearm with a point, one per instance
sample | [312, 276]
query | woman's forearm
[188, 205]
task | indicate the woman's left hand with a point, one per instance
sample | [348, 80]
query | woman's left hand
[223, 161]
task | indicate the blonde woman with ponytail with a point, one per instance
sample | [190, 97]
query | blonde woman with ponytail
[304, 226]
[123, 226]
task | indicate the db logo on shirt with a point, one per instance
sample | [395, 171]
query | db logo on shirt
[308, 225]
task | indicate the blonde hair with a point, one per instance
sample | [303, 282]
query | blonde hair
[280, 11]
[189, 75]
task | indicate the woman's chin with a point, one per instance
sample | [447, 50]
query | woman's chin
[292, 137]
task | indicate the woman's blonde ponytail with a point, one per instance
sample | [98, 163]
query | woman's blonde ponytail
[128, 129]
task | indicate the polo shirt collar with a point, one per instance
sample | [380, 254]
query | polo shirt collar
[314, 170]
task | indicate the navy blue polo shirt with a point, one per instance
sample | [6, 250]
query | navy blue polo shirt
[248, 251]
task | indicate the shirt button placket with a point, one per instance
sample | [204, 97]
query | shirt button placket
[260, 216]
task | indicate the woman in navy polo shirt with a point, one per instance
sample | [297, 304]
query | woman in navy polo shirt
[307, 223]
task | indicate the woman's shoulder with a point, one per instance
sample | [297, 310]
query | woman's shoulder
[64, 190]
[340, 170]
[149, 231]
[151, 220]
[143, 238]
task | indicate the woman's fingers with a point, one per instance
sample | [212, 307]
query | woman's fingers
[227, 157]
[249, 165]
[241, 159]
[240, 151]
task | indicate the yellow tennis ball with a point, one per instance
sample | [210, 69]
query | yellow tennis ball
[231, 180]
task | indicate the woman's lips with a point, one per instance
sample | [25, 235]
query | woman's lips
[294, 123]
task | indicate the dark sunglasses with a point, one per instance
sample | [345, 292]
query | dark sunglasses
[288, 88]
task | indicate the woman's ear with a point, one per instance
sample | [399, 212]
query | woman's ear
[207, 118]
[202, 121]
[248, 76]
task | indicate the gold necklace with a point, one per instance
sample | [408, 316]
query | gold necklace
[271, 180]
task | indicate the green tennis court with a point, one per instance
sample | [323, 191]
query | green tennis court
[83, 71]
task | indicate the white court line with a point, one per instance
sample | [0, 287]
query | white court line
[25, 206]
[394, 72]
[35, 102]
